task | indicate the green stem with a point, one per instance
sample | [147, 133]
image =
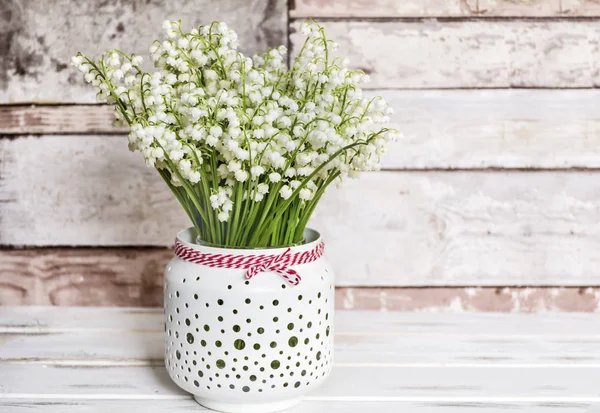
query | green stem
[291, 199]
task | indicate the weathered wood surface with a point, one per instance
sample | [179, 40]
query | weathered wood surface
[51, 119]
[134, 337]
[495, 128]
[307, 406]
[133, 277]
[138, 347]
[443, 129]
[388, 228]
[442, 8]
[360, 381]
[83, 276]
[42, 319]
[423, 54]
[459, 299]
[490, 385]
[469, 54]
[464, 228]
[41, 36]
[432, 229]
[78, 178]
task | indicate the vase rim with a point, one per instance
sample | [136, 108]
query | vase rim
[188, 237]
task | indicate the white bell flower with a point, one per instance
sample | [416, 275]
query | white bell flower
[248, 125]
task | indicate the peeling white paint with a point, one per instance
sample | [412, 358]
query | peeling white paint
[433, 54]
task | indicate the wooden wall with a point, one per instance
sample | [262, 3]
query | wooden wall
[491, 202]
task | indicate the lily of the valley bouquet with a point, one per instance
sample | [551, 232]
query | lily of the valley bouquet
[247, 145]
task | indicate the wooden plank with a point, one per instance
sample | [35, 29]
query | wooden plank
[44, 319]
[463, 228]
[511, 384]
[483, 228]
[130, 337]
[458, 299]
[139, 348]
[83, 276]
[307, 406]
[472, 54]
[133, 277]
[443, 129]
[37, 320]
[302, 9]
[42, 37]
[494, 128]
[441, 8]
[35, 119]
[428, 388]
[127, 197]
[69, 405]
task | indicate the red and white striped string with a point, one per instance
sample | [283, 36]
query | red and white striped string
[253, 264]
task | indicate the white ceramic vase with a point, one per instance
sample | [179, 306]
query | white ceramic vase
[243, 345]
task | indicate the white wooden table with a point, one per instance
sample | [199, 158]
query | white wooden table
[98, 360]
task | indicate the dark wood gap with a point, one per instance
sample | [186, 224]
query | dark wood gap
[450, 19]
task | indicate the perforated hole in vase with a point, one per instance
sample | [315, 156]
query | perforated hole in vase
[235, 341]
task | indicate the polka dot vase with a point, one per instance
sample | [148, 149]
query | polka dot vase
[248, 345]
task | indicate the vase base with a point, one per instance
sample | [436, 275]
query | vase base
[247, 407]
